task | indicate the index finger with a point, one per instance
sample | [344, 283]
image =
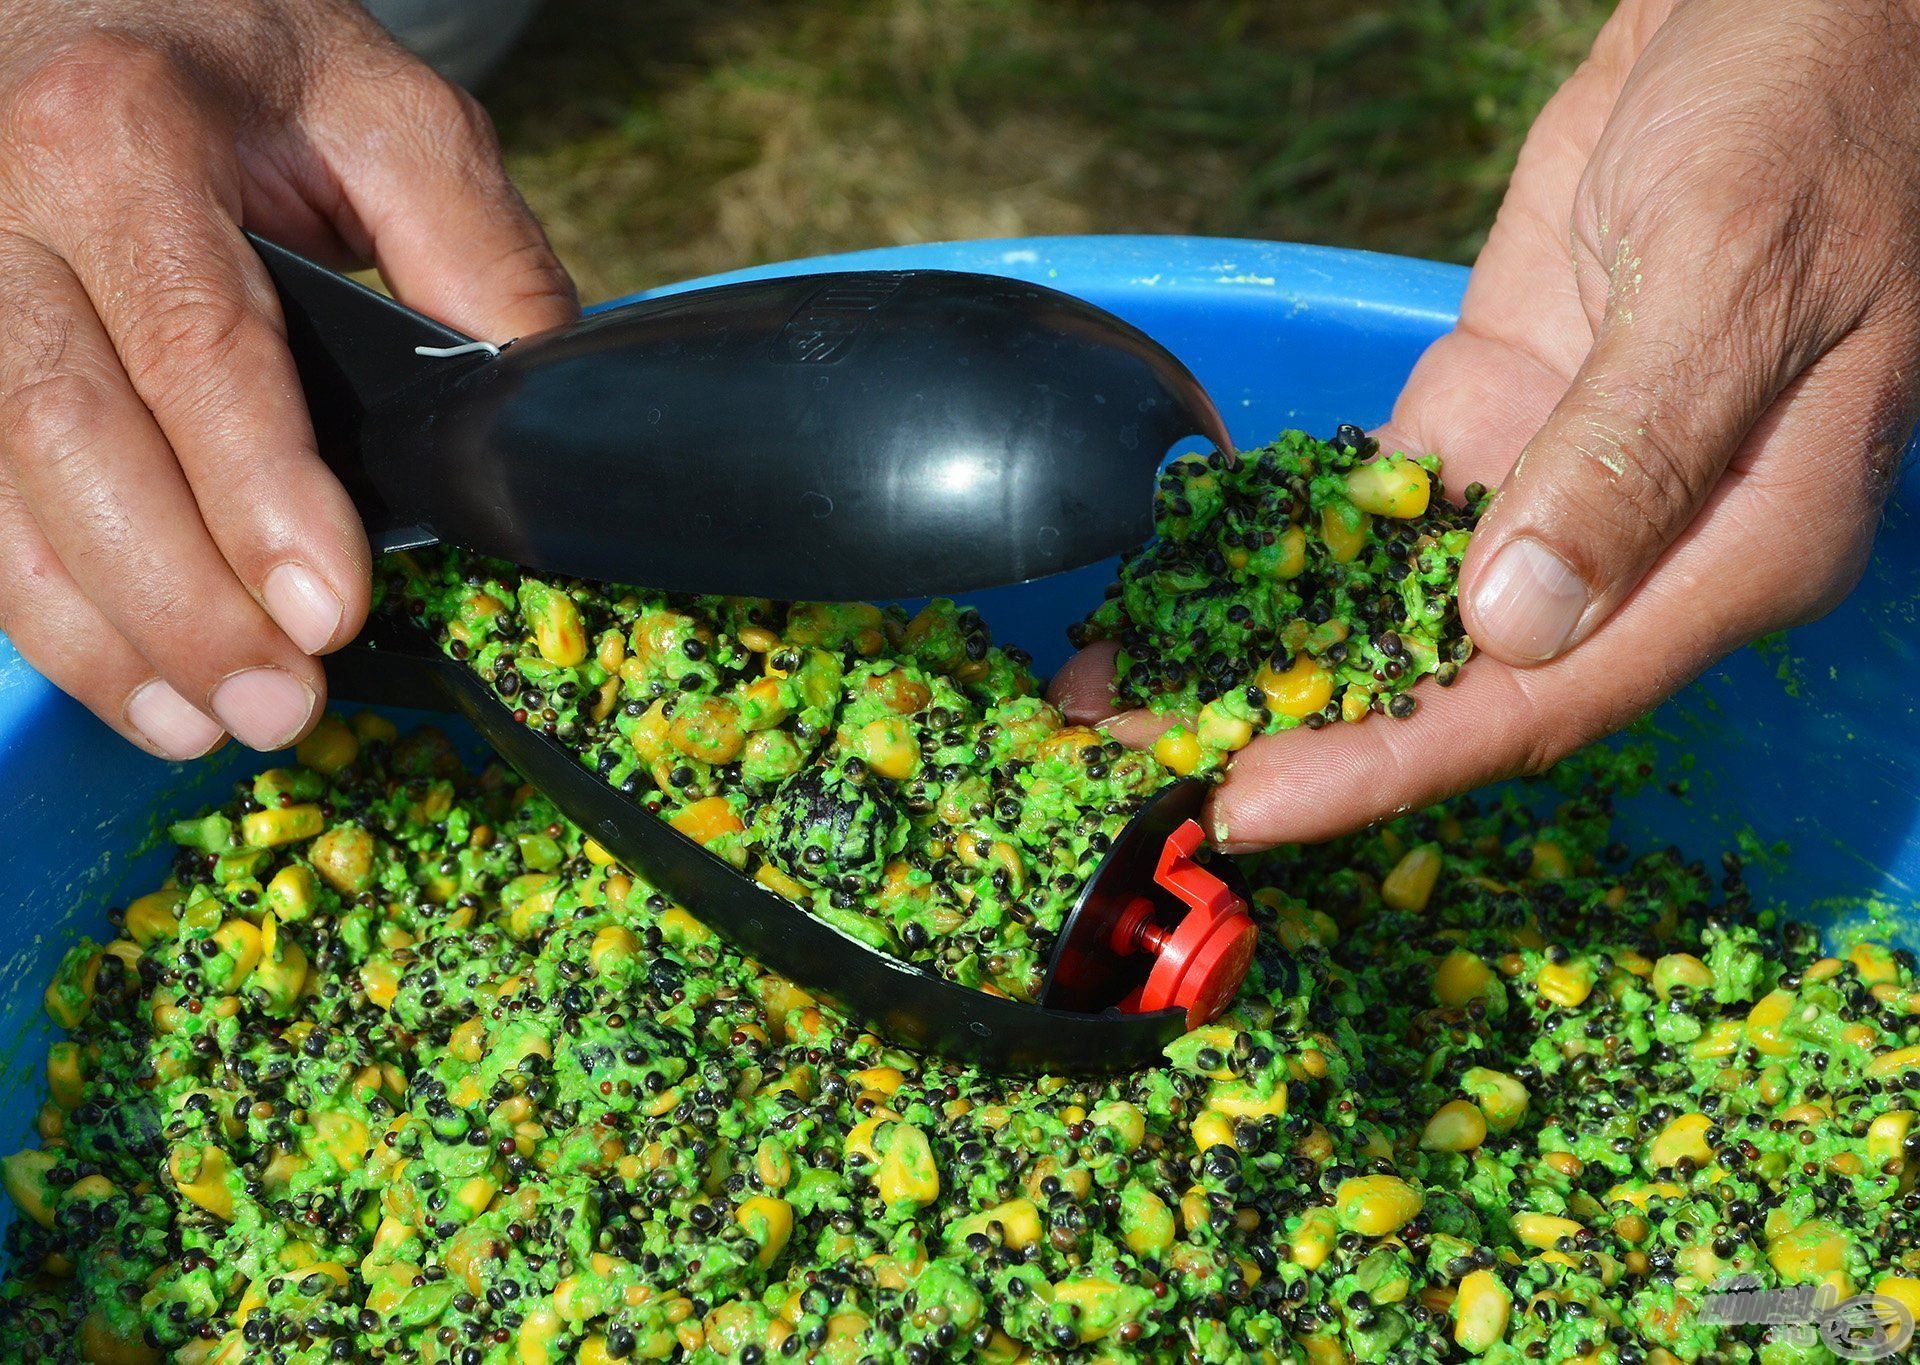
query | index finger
[139, 189]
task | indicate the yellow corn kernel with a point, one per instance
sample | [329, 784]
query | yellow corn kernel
[201, 1174]
[1376, 1205]
[68, 998]
[1354, 703]
[707, 820]
[1766, 1024]
[1241, 1100]
[558, 631]
[331, 746]
[1480, 1312]
[1213, 1129]
[1124, 1121]
[24, 1174]
[1410, 885]
[101, 1344]
[240, 941]
[282, 970]
[380, 979]
[1099, 1302]
[293, 893]
[1681, 970]
[889, 748]
[1392, 486]
[1815, 1250]
[707, 729]
[341, 1136]
[1542, 1231]
[1019, 1222]
[1874, 963]
[859, 1140]
[1301, 689]
[1685, 1136]
[150, 918]
[1456, 1126]
[372, 728]
[1886, 1140]
[1460, 978]
[779, 882]
[1178, 750]
[1344, 532]
[1146, 1223]
[884, 1079]
[1548, 863]
[1642, 1193]
[343, 856]
[284, 825]
[769, 1222]
[773, 1164]
[907, 1171]
[66, 1074]
[1290, 554]
[1902, 1290]
[468, 1041]
[1220, 729]
[611, 947]
[1894, 1062]
[1567, 984]
[1502, 1099]
[1312, 1241]
[1722, 1039]
[538, 1342]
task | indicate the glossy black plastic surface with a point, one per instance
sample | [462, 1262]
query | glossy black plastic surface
[873, 434]
[397, 665]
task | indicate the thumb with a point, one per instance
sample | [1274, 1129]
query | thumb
[419, 168]
[1620, 468]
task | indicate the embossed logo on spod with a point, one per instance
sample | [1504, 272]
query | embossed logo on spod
[822, 328]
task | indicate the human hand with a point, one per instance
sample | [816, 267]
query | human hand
[172, 550]
[1689, 357]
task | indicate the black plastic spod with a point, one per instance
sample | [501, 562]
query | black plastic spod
[833, 437]
[837, 436]
[396, 664]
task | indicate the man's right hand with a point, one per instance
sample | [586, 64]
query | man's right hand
[172, 551]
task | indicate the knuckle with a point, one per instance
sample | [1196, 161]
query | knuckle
[53, 417]
[530, 274]
[451, 117]
[184, 339]
[1645, 487]
[99, 82]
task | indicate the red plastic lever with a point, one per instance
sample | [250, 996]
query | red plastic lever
[1201, 961]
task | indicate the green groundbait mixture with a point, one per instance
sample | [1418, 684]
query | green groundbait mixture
[397, 1066]
[1301, 583]
[900, 776]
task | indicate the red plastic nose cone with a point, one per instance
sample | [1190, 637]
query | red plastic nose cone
[1199, 963]
[1214, 972]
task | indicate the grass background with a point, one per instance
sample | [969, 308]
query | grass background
[660, 139]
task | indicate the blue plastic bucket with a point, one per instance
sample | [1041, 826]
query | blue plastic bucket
[1814, 744]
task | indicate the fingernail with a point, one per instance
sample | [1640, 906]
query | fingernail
[169, 723]
[264, 708]
[306, 608]
[1528, 602]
